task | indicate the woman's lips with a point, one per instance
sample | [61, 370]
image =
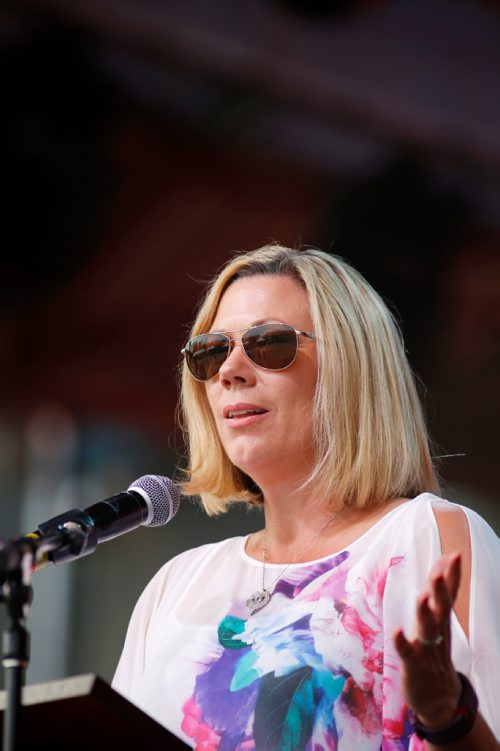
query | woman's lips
[243, 414]
[242, 420]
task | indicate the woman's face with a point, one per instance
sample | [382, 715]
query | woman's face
[277, 443]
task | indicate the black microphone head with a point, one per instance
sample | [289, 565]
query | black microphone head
[162, 497]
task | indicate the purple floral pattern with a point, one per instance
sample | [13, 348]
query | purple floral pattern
[306, 672]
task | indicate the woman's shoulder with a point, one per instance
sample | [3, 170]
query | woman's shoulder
[193, 560]
[429, 520]
[432, 502]
[210, 550]
[413, 521]
[452, 513]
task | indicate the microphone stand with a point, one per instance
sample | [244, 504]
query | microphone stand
[17, 563]
[17, 594]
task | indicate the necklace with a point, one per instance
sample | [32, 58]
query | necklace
[261, 597]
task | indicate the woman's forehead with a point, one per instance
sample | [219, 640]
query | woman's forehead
[267, 297]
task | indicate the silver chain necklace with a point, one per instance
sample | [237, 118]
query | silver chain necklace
[261, 597]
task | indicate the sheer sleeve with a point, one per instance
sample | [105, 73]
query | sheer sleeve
[131, 664]
[133, 657]
[484, 618]
[478, 657]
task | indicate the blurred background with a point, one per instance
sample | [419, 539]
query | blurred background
[142, 143]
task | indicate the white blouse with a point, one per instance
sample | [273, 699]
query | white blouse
[316, 668]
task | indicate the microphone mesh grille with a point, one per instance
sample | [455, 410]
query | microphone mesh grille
[163, 496]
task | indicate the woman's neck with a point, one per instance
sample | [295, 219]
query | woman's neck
[295, 521]
[300, 529]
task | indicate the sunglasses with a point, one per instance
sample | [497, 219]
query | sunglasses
[272, 346]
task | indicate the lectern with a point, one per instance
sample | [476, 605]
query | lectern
[84, 713]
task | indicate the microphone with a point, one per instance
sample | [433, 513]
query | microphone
[150, 501]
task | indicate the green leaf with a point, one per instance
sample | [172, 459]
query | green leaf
[228, 628]
[245, 674]
[284, 712]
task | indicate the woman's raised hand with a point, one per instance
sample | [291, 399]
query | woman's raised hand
[430, 683]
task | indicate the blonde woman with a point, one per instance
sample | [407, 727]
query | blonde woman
[363, 615]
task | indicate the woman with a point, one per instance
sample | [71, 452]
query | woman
[343, 623]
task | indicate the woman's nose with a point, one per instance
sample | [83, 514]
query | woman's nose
[236, 368]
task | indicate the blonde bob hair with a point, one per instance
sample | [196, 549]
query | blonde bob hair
[371, 442]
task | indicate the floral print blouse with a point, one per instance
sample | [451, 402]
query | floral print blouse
[315, 669]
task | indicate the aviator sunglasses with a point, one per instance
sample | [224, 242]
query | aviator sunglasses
[272, 346]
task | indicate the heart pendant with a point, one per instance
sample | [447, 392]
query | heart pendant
[257, 601]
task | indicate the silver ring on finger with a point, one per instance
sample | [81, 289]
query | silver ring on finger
[431, 642]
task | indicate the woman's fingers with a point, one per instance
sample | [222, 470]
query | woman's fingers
[429, 680]
[403, 646]
[433, 611]
[455, 574]
[449, 568]
[443, 584]
[428, 627]
[441, 600]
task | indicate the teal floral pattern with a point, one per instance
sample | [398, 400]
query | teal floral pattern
[304, 672]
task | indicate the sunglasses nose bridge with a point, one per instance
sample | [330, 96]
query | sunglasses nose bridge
[233, 341]
[231, 347]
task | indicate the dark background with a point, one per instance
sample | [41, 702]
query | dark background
[144, 142]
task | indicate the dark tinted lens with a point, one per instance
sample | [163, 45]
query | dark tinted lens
[205, 354]
[272, 345]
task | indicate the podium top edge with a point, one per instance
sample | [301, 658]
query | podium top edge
[65, 688]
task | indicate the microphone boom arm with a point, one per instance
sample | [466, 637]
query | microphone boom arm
[72, 537]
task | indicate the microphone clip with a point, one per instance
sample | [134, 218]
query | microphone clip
[75, 532]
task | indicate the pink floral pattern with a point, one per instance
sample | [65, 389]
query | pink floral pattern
[303, 675]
